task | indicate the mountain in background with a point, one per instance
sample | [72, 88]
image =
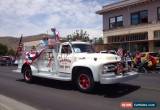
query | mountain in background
[12, 42]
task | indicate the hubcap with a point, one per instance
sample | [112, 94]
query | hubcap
[84, 81]
[27, 75]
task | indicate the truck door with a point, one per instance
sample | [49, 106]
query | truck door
[65, 59]
[46, 62]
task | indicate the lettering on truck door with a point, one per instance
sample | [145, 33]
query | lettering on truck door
[65, 59]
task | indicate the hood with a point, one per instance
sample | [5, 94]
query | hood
[99, 57]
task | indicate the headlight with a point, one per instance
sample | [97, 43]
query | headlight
[105, 69]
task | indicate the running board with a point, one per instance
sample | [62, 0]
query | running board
[54, 76]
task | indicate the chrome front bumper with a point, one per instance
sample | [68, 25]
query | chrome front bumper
[112, 78]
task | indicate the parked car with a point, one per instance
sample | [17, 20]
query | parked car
[5, 60]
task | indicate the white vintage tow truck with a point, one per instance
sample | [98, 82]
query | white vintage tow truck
[77, 62]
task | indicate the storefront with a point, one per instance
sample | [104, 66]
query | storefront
[130, 42]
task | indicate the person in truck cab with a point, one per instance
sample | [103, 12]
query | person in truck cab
[66, 49]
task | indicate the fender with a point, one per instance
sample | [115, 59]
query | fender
[92, 65]
[33, 68]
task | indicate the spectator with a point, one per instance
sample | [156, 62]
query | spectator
[138, 58]
[129, 60]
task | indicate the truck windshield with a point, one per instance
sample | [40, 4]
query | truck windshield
[81, 48]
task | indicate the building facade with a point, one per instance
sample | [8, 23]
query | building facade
[132, 24]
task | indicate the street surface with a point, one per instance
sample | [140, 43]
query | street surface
[55, 95]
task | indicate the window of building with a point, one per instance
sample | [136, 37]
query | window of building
[119, 21]
[127, 38]
[112, 23]
[134, 18]
[139, 17]
[157, 34]
[115, 22]
[158, 13]
[143, 16]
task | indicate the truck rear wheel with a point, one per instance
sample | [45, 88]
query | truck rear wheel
[28, 74]
[85, 81]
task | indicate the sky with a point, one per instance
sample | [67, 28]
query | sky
[31, 17]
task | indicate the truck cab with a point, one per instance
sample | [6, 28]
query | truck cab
[76, 62]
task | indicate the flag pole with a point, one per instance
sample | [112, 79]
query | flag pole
[19, 48]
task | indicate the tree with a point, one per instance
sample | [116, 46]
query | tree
[11, 52]
[3, 49]
[78, 35]
[98, 40]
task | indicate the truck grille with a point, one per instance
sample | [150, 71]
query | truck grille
[117, 68]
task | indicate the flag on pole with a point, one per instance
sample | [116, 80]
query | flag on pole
[120, 52]
[19, 48]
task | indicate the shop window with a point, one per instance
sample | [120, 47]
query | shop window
[126, 38]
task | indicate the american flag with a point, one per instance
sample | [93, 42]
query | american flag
[32, 56]
[120, 52]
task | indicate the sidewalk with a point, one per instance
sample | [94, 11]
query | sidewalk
[7, 103]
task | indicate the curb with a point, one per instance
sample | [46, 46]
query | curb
[7, 103]
[4, 107]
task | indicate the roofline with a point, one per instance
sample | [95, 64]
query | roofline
[120, 4]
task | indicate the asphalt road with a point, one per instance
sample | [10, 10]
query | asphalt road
[55, 95]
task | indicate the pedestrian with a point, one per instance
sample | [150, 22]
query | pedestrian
[129, 60]
[138, 58]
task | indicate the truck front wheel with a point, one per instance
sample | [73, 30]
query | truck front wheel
[85, 81]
